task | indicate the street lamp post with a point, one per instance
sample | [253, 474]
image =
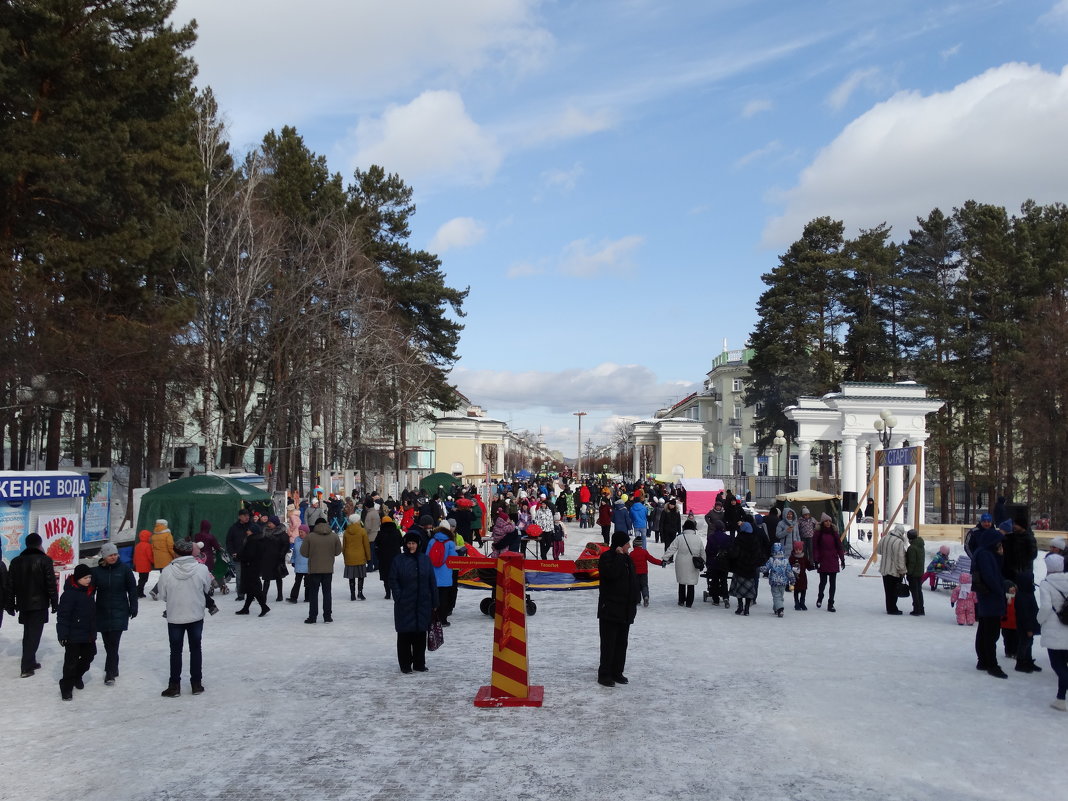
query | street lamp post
[779, 442]
[885, 425]
[578, 459]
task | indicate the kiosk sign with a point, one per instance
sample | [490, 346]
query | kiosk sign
[28, 487]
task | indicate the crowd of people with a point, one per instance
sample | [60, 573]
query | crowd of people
[408, 542]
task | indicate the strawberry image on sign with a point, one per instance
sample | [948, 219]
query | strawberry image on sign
[61, 551]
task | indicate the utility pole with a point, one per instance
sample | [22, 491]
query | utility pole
[578, 459]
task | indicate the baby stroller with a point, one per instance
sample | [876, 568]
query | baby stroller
[226, 572]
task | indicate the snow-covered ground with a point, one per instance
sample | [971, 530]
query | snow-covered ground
[851, 705]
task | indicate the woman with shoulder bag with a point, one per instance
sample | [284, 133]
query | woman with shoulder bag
[685, 551]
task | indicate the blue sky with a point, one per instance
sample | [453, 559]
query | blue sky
[612, 177]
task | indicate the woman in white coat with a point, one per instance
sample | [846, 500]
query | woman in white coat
[1053, 592]
[681, 551]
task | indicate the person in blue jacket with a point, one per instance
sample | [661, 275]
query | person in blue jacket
[116, 605]
[76, 629]
[415, 597]
[988, 582]
[639, 520]
[443, 574]
[621, 518]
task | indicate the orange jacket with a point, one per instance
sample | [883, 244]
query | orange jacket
[142, 555]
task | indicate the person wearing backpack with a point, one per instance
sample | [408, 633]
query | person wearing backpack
[440, 547]
[1053, 617]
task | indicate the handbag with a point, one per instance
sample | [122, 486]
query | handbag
[435, 637]
[698, 561]
[903, 591]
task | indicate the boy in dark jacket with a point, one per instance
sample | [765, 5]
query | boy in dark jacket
[76, 628]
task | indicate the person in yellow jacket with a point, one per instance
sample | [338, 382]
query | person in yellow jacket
[162, 549]
[356, 550]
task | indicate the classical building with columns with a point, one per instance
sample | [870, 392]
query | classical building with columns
[849, 417]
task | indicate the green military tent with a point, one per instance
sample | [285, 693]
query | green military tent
[187, 501]
[438, 481]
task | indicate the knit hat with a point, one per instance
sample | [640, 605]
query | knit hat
[444, 526]
[183, 547]
[411, 537]
[798, 545]
[912, 533]
[426, 520]
[746, 527]
[1054, 563]
[387, 519]
[805, 511]
[108, 549]
[944, 550]
[303, 528]
[274, 519]
[81, 571]
[986, 517]
[1006, 526]
[620, 538]
[1057, 542]
[161, 527]
[825, 516]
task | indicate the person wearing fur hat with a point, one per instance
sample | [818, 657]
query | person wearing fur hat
[184, 586]
[1053, 595]
[356, 551]
[617, 605]
[415, 597]
[76, 629]
[116, 605]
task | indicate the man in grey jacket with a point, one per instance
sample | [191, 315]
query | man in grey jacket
[183, 586]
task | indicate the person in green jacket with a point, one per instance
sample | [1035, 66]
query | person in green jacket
[915, 559]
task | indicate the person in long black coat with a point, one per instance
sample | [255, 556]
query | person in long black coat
[415, 597]
[617, 604]
[259, 561]
[746, 557]
[670, 523]
[33, 592]
[76, 629]
[387, 548]
[116, 605]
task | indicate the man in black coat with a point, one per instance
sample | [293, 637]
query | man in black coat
[617, 604]
[258, 562]
[235, 538]
[33, 593]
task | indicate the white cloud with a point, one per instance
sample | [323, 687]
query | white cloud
[563, 179]
[754, 107]
[758, 154]
[296, 59]
[524, 270]
[858, 79]
[624, 389]
[431, 140]
[583, 259]
[459, 232]
[996, 138]
[1057, 15]
[949, 52]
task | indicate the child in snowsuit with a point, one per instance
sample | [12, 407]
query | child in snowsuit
[780, 576]
[800, 563]
[641, 558]
[963, 599]
[937, 565]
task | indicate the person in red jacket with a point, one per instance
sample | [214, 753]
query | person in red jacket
[604, 518]
[142, 560]
[641, 558]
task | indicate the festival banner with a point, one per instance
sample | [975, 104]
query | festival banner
[59, 539]
[14, 526]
